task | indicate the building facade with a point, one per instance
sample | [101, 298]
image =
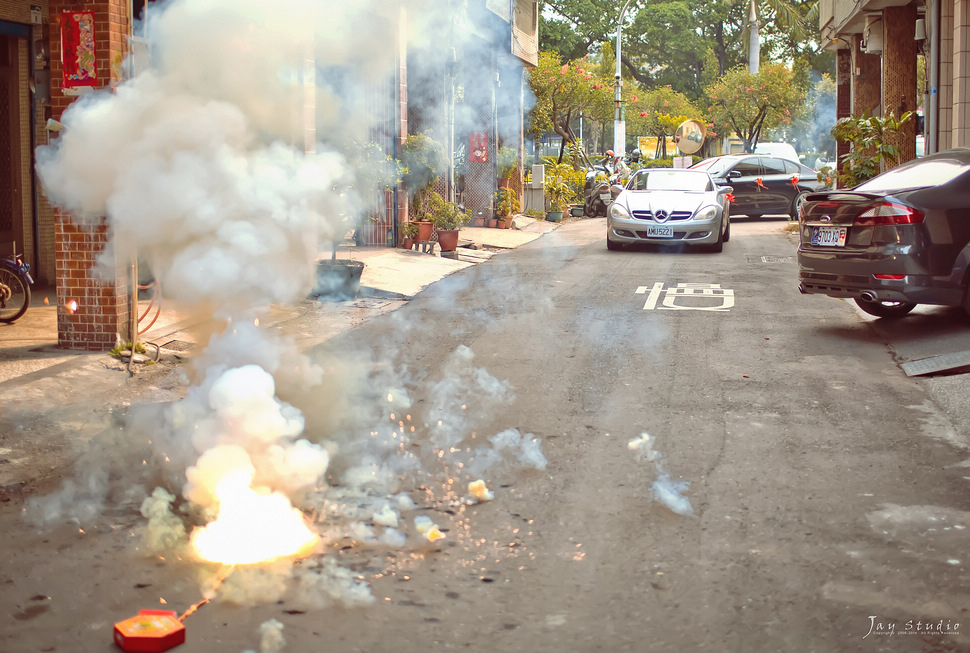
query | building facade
[52, 52]
[878, 43]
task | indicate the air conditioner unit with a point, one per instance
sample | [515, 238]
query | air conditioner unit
[538, 176]
[872, 35]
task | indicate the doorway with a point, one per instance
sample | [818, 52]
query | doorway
[11, 196]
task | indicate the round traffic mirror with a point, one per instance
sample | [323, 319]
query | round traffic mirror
[690, 136]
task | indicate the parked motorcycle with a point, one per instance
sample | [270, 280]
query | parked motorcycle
[601, 194]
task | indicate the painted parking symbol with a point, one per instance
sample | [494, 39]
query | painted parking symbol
[687, 297]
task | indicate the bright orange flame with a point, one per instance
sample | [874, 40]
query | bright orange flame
[71, 306]
[252, 527]
[46, 301]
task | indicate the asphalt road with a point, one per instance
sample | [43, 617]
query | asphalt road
[812, 496]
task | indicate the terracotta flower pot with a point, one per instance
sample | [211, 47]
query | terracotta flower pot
[425, 230]
[448, 239]
[407, 243]
[493, 222]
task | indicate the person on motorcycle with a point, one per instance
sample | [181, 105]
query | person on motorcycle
[608, 160]
[620, 169]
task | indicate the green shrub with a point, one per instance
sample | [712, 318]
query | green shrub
[872, 139]
[507, 202]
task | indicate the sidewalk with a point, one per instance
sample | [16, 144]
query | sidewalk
[28, 347]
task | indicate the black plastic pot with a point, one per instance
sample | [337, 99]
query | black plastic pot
[337, 279]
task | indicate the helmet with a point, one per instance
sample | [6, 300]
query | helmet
[609, 152]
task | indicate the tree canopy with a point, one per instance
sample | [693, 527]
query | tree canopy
[749, 104]
[563, 92]
[684, 44]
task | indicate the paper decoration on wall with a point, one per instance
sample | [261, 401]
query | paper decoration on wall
[77, 49]
[478, 146]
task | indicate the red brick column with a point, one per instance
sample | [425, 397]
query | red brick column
[89, 313]
[899, 75]
[92, 309]
[866, 81]
[843, 98]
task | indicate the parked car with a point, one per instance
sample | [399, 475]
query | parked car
[670, 206]
[763, 185]
[898, 240]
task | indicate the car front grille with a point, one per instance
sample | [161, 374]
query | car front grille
[673, 217]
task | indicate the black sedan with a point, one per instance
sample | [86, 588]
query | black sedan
[895, 241]
[763, 185]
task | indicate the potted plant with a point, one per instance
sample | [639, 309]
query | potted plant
[421, 210]
[448, 218]
[506, 206]
[374, 174]
[409, 231]
[507, 162]
[422, 159]
[559, 191]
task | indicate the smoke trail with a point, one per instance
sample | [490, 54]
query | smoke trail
[663, 489]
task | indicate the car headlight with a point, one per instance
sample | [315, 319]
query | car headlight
[707, 213]
[619, 212]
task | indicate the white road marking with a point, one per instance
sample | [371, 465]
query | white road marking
[686, 290]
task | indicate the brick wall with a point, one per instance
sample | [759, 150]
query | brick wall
[866, 80]
[945, 90]
[961, 74]
[101, 312]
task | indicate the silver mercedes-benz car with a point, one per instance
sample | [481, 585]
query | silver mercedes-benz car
[670, 206]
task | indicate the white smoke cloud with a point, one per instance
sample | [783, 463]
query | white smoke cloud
[201, 166]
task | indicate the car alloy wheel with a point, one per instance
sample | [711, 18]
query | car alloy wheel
[796, 204]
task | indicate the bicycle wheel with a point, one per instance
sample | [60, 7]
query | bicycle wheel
[14, 293]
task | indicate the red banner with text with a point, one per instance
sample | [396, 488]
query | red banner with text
[77, 49]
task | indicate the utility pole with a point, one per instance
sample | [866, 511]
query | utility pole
[619, 126]
[754, 40]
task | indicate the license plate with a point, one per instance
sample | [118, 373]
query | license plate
[829, 236]
[606, 197]
[655, 231]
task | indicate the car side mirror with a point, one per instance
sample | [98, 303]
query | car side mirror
[734, 174]
[725, 189]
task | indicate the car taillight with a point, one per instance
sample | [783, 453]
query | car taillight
[888, 213]
[890, 277]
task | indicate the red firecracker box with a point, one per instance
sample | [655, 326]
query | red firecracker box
[152, 631]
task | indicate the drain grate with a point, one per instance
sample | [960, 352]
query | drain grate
[370, 303]
[933, 364]
[179, 345]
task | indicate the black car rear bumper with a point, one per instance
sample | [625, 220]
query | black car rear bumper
[841, 281]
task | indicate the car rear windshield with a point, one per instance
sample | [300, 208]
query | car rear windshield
[668, 179]
[920, 175]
